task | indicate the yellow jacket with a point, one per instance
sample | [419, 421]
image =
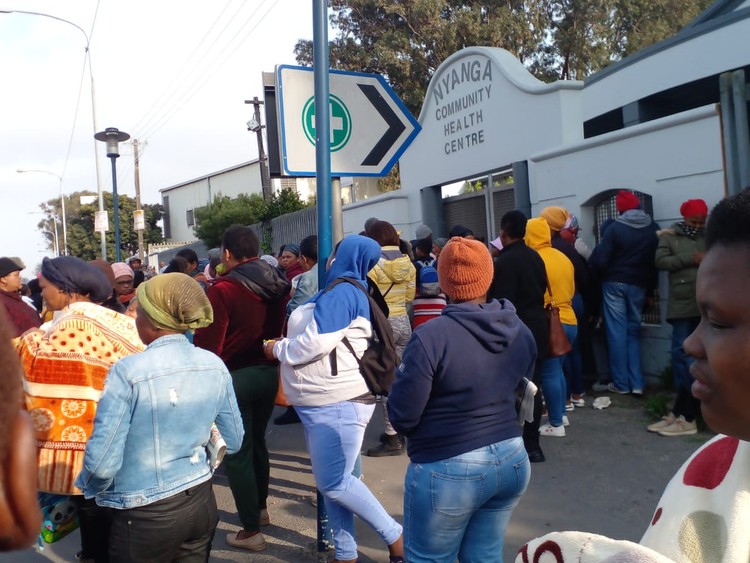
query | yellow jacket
[560, 272]
[396, 277]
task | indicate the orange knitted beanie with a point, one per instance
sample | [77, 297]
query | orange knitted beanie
[465, 269]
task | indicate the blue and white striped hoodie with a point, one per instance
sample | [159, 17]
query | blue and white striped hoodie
[318, 327]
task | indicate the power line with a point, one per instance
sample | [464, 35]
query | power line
[187, 94]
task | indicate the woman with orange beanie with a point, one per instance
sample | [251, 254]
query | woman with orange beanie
[468, 464]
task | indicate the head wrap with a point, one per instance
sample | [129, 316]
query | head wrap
[556, 216]
[73, 275]
[175, 302]
[293, 248]
[694, 208]
[626, 200]
[497, 243]
[270, 260]
[121, 269]
[440, 242]
[8, 266]
[423, 231]
[105, 268]
[465, 269]
[572, 223]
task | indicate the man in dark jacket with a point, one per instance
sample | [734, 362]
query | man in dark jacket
[22, 317]
[624, 261]
[521, 278]
[249, 304]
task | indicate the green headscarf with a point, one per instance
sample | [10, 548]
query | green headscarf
[175, 302]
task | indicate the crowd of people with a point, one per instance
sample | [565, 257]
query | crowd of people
[108, 356]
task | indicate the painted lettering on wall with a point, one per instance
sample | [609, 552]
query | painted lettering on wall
[460, 96]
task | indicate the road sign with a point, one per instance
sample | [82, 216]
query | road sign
[370, 126]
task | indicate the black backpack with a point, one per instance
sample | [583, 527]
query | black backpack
[378, 363]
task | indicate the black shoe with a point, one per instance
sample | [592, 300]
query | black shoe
[537, 456]
[384, 438]
[289, 417]
[392, 446]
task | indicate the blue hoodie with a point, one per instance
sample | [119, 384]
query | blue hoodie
[318, 327]
[455, 390]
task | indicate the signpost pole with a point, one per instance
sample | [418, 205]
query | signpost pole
[322, 134]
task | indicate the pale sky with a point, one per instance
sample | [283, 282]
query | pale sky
[173, 74]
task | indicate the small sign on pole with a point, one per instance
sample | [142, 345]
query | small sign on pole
[101, 222]
[139, 220]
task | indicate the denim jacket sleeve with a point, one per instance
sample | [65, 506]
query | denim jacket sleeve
[105, 447]
[228, 419]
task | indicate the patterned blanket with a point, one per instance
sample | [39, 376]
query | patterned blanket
[65, 364]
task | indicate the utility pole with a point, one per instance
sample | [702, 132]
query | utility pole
[137, 174]
[255, 126]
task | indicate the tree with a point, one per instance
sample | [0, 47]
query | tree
[406, 40]
[282, 202]
[213, 219]
[83, 241]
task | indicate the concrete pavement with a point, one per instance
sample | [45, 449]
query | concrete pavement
[606, 476]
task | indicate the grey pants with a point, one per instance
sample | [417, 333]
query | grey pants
[401, 334]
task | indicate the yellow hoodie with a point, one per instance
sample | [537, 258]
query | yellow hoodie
[396, 278]
[560, 271]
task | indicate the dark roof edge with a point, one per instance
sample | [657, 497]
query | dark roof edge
[716, 16]
[211, 175]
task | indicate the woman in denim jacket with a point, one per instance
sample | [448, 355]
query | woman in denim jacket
[147, 455]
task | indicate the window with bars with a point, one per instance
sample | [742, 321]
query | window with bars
[605, 211]
[190, 216]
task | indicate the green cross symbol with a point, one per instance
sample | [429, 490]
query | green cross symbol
[340, 120]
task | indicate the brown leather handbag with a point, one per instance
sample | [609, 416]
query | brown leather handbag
[559, 345]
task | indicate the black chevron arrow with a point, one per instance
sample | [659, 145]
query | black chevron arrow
[395, 125]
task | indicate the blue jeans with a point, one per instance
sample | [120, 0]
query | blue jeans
[573, 363]
[552, 377]
[461, 506]
[681, 329]
[334, 436]
[622, 305]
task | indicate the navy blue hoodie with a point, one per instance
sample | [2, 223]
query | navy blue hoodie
[455, 390]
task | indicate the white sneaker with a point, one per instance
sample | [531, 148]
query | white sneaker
[680, 427]
[554, 431]
[566, 422]
[666, 420]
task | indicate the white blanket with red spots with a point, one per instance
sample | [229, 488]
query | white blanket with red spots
[702, 517]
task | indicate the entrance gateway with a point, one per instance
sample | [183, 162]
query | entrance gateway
[652, 123]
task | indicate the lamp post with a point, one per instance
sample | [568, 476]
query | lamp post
[113, 136]
[62, 206]
[87, 49]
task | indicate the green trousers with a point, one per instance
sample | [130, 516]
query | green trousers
[249, 469]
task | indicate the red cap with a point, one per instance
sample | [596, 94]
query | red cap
[626, 200]
[694, 208]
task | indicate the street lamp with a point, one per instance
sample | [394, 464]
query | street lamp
[62, 205]
[93, 108]
[113, 136]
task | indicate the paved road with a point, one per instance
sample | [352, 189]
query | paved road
[605, 476]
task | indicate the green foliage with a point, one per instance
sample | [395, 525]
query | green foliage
[406, 40]
[390, 182]
[83, 241]
[213, 219]
[282, 202]
[470, 187]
